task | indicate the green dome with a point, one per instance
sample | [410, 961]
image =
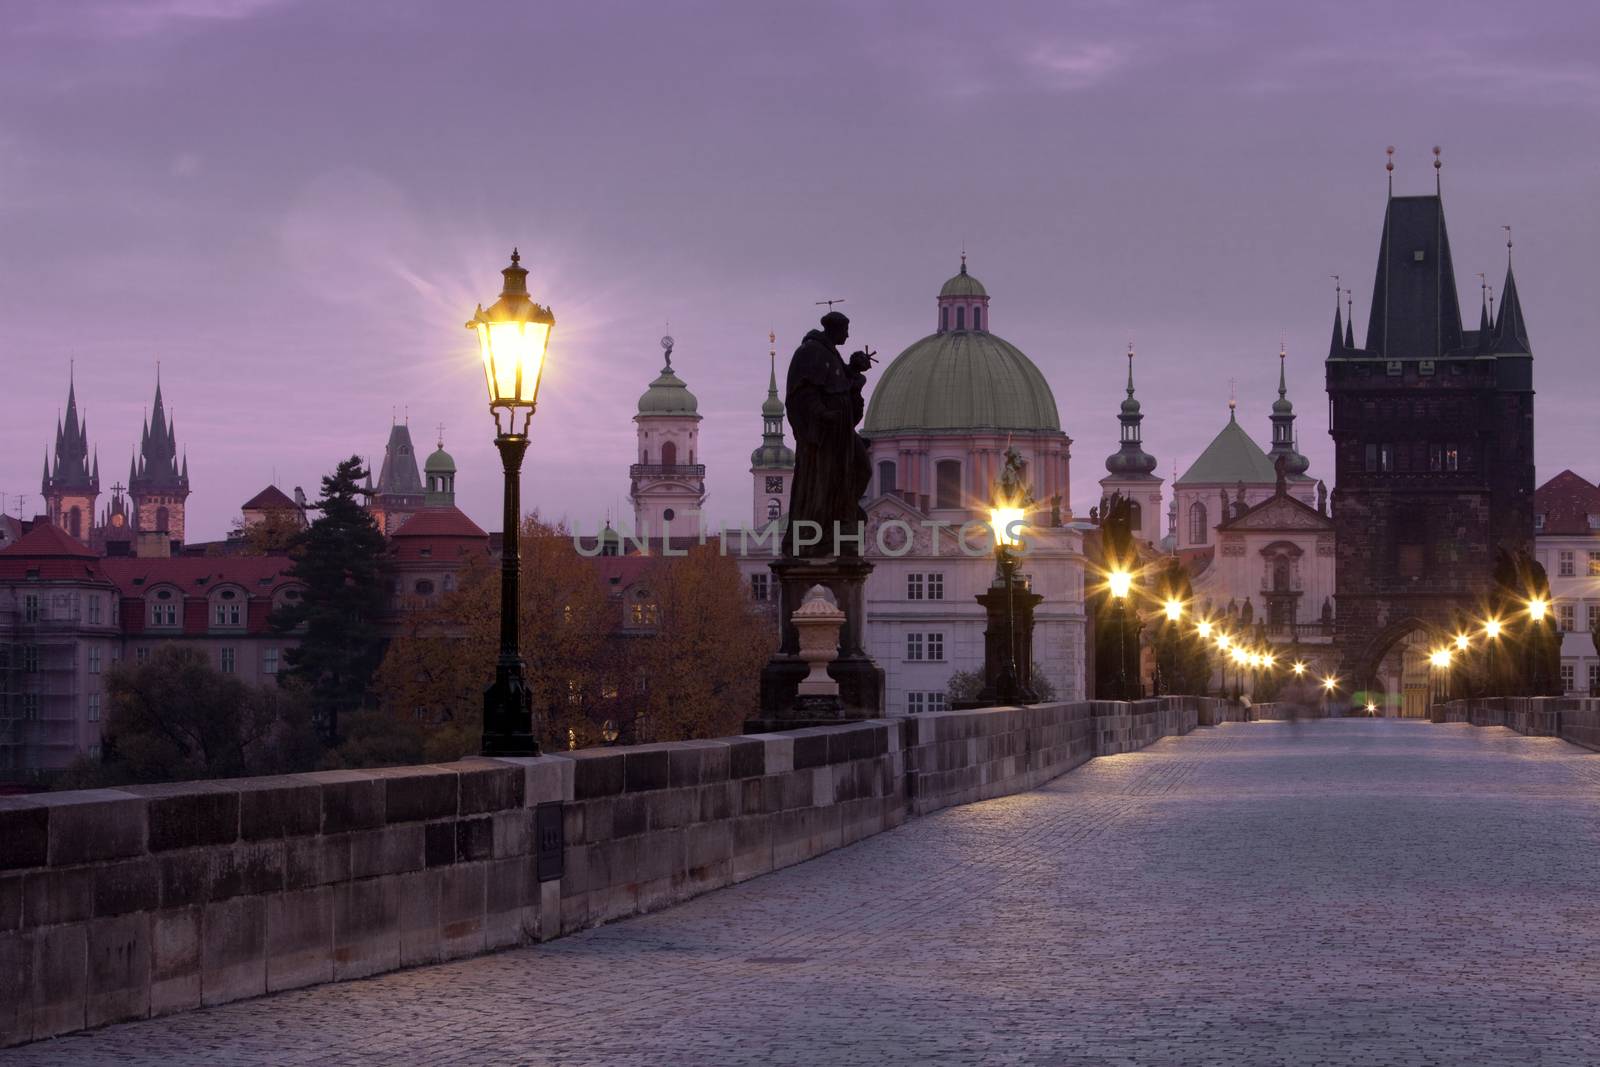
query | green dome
[961, 380]
[440, 462]
[963, 284]
[668, 395]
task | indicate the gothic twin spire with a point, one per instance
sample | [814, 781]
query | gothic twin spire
[157, 468]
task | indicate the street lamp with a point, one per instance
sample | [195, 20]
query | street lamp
[1439, 660]
[513, 334]
[1007, 525]
[1537, 607]
[1174, 609]
[1328, 686]
[1120, 583]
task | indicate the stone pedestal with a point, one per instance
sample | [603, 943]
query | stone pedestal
[860, 679]
[997, 688]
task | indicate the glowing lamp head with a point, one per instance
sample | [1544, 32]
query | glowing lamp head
[1120, 582]
[1371, 706]
[1223, 641]
[1491, 628]
[1174, 609]
[1203, 628]
[1439, 657]
[1461, 642]
[1240, 655]
[1268, 661]
[1007, 525]
[1330, 684]
[513, 334]
[1537, 607]
[1299, 669]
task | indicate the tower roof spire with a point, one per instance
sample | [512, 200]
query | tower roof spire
[1130, 460]
[1511, 329]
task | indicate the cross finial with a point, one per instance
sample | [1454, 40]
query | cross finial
[1335, 278]
[1388, 165]
[516, 257]
[1507, 228]
[830, 303]
[441, 435]
[1233, 395]
[1436, 168]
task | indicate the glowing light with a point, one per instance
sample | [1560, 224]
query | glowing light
[1491, 628]
[1371, 707]
[1536, 608]
[1439, 657]
[513, 334]
[1330, 684]
[1299, 668]
[1240, 655]
[1174, 609]
[1462, 641]
[1007, 525]
[1223, 641]
[1120, 582]
[1204, 628]
[1268, 660]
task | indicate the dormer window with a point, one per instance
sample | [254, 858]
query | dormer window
[1538, 521]
[1594, 522]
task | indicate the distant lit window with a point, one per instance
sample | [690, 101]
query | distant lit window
[936, 586]
[760, 586]
[1564, 563]
[227, 660]
[1568, 677]
[269, 661]
[1594, 618]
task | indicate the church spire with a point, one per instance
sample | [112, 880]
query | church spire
[1283, 440]
[1511, 330]
[773, 452]
[1130, 460]
[1349, 322]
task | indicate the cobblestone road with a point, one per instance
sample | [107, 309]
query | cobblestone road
[1350, 892]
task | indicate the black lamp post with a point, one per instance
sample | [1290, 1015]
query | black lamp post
[513, 334]
[1008, 687]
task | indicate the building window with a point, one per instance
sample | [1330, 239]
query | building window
[94, 659]
[669, 454]
[643, 611]
[30, 659]
[760, 586]
[1564, 618]
[1594, 617]
[94, 707]
[1568, 679]
[226, 656]
[961, 317]
[914, 587]
[30, 707]
[1594, 563]
[269, 661]
[948, 491]
[1199, 528]
[30, 608]
[1538, 521]
[977, 318]
[1564, 566]
[141, 655]
[936, 647]
[163, 610]
[944, 319]
[914, 646]
[94, 610]
[424, 587]
[936, 586]
[1135, 517]
[914, 705]
[1594, 678]
[917, 703]
[425, 553]
[227, 613]
[885, 477]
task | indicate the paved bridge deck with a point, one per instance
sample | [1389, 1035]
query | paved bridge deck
[1347, 891]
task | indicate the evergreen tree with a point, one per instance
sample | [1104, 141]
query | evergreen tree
[337, 557]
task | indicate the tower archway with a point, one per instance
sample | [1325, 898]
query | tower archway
[1391, 671]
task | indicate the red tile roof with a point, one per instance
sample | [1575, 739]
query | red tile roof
[258, 574]
[448, 521]
[269, 499]
[1566, 502]
[48, 541]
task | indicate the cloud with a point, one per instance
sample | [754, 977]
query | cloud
[140, 18]
[1072, 68]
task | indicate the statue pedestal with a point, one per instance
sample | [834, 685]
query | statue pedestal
[1008, 671]
[860, 679]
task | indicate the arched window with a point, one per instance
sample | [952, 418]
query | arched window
[644, 457]
[75, 522]
[961, 318]
[669, 454]
[944, 319]
[1281, 570]
[1135, 517]
[948, 493]
[424, 587]
[886, 476]
[977, 318]
[1199, 528]
[161, 520]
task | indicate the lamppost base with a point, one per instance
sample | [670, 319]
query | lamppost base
[508, 714]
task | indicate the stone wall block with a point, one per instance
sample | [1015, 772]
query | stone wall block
[127, 886]
[119, 970]
[630, 815]
[597, 772]
[175, 960]
[670, 809]
[718, 800]
[810, 749]
[490, 785]
[351, 800]
[394, 849]
[645, 767]
[366, 927]
[575, 870]
[299, 938]
[419, 918]
[821, 785]
[10, 903]
[545, 779]
[233, 950]
[685, 763]
[60, 979]
[474, 839]
[57, 896]
[282, 806]
[311, 861]
[505, 894]
[513, 833]
[747, 758]
[247, 869]
[752, 846]
[416, 794]
[439, 843]
[16, 989]
[24, 833]
[779, 757]
[94, 824]
[190, 814]
[549, 911]
[462, 903]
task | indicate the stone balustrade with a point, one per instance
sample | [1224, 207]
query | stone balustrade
[1575, 719]
[125, 903]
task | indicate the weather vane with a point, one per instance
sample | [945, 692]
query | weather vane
[830, 303]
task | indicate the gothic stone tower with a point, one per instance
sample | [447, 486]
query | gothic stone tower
[72, 486]
[1433, 436]
[771, 464]
[158, 484]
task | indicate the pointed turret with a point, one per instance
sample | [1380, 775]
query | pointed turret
[1337, 346]
[157, 483]
[1511, 331]
[1283, 440]
[1415, 311]
[1130, 459]
[1349, 324]
[773, 452]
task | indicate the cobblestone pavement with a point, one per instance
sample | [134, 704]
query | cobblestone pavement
[1347, 891]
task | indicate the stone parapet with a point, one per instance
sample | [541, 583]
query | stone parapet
[126, 903]
[1575, 719]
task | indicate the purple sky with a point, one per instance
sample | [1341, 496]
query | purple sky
[294, 206]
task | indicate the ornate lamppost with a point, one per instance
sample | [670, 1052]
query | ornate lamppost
[1120, 584]
[1004, 683]
[513, 334]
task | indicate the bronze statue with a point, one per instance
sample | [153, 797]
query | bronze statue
[1012, 488]
[831, 466]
